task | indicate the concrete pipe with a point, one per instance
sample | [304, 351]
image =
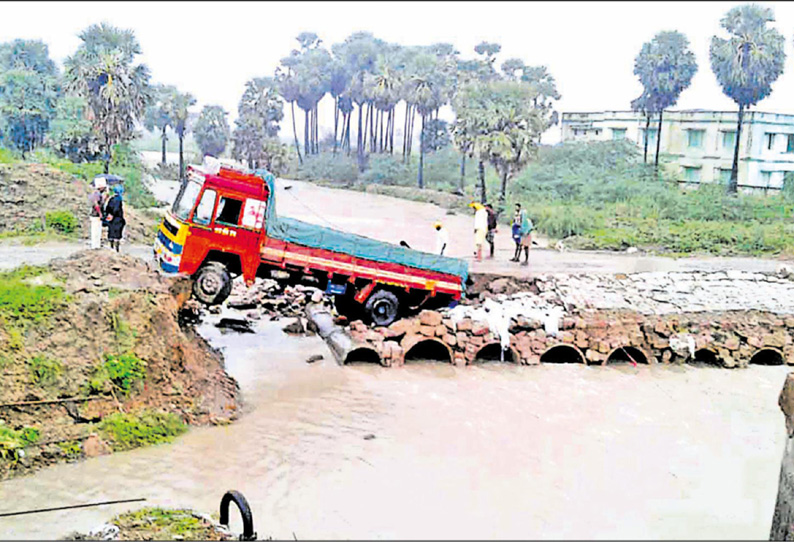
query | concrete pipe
[342, 346]
[768, 356]
[563, 353]
[628, 354]
[420, 347]
[493, 352]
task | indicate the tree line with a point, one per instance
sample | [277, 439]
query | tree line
[500, 108]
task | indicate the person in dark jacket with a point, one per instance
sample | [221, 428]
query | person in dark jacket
[492, 228]
[114, 217]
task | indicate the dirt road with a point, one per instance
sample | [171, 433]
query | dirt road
[393, 220]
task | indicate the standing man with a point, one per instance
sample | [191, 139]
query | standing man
[480, 228]
[515, 227]
[442, 238]
[96, 201]
[526, 235]
[492, 228]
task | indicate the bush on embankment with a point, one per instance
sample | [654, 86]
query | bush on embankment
[598, 195]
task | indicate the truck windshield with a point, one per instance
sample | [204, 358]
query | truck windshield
[184, 203]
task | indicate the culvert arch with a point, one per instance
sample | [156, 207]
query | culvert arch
[426, 349]
[493, 352]
[563, 353]
[363, 354]
[767, 356]
[706, 357]
[628, 354]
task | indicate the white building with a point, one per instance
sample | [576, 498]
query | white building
[699, 145]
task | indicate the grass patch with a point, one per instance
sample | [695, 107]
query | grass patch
[123, 372]
[152, 523]
[125, 163]
[7, 156]
[44, 371]
[22, 302]
[128, 431]
[12, 441]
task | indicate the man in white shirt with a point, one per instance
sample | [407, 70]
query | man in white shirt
[480, 228]
[442, 238]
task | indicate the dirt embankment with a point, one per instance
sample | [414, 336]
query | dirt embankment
[93, 359]
[29, 191]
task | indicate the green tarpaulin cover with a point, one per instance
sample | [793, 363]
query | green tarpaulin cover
[311, 235]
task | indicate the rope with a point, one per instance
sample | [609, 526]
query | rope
[25, 512]
[315, 213]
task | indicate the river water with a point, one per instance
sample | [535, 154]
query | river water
[435, 451]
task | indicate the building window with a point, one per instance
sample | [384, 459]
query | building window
[766, 178]
[790, 143]
[618, 133]
[729, 140]
[770, 141]
[722, 175]
[651, 137]
[695, 139]
[692, 174]
[598, 132]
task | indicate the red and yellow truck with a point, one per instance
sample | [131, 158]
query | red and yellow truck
[224, 224]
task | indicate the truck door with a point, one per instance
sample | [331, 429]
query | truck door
[240, 220]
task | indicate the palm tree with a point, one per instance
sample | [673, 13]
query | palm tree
[182, 101]
[747, 63]
[159, 113]
[118, 92]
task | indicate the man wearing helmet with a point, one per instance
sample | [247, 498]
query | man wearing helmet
[442, 238]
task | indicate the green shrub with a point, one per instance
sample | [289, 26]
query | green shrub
[71, 448]
[560, 221]
[128, 431]
[386, 169]
[61, 221]
[44, 371]
[11, 441]
[338, 168]
[122, 371]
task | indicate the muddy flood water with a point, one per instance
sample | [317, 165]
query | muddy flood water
[435, 451]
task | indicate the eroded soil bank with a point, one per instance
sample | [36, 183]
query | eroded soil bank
[94, 359]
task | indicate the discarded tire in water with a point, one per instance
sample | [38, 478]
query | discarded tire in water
[245, 513]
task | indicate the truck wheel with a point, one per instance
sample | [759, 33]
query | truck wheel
[382, 307]
[212, 284]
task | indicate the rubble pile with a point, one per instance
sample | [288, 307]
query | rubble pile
[269, 299]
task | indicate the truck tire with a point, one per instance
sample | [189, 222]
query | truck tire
[382, 307]
[212, 284]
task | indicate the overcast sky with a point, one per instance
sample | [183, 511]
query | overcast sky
[210, 49]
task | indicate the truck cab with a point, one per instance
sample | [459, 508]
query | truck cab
[213, 231]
